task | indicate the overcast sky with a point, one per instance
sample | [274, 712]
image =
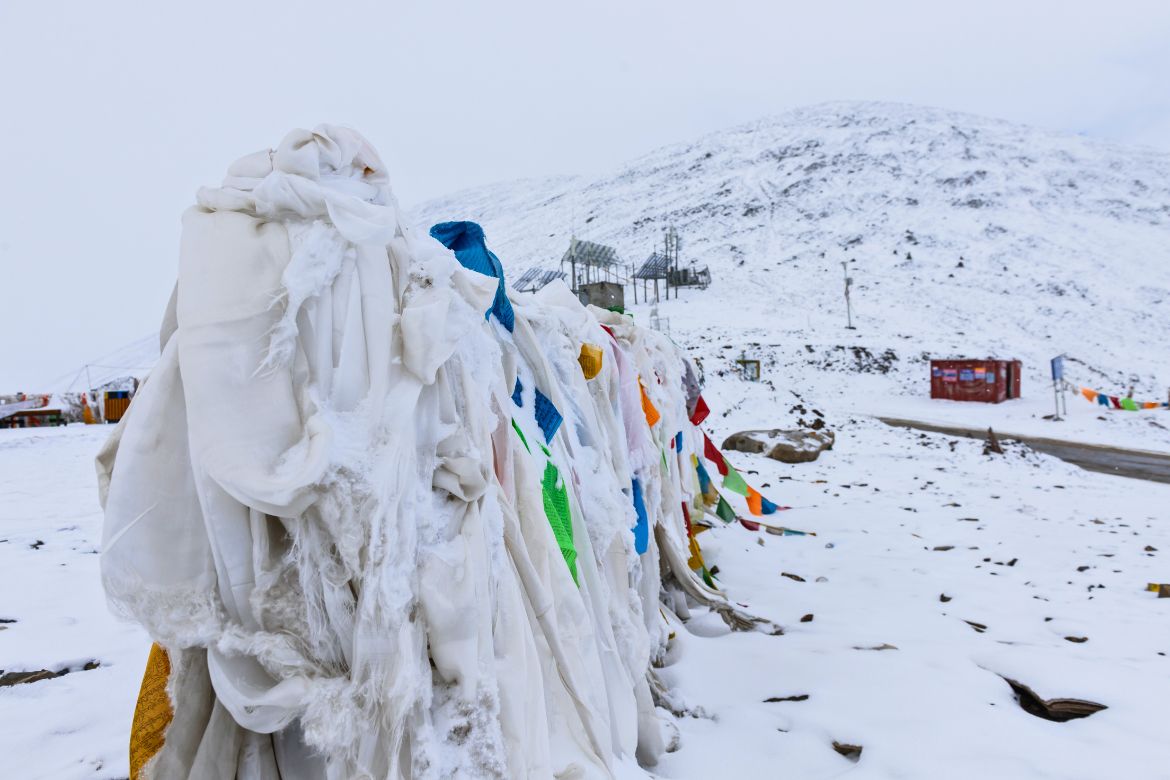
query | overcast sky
[112, 115]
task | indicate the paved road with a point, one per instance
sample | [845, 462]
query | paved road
[1138, 464]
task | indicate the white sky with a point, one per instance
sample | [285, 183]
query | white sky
[112, 113]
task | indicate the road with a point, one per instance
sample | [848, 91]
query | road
[1138, 464]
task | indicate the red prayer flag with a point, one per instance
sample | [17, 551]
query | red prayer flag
[712, 453]
[701, 411]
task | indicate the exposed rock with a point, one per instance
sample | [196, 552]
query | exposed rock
[786, 446]
[851, 752]
[8, 679]
[1058, 710]
[798, 697]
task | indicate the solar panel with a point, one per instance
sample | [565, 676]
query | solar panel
[535, 279]
[525, 278]
[655, 267]
[590, 253]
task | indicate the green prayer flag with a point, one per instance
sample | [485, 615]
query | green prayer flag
[707, 578]
[556, 508]
[1130, 404]
[724, 511]
[734, 482]
[520, 433]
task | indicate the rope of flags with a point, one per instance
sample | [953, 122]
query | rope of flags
[733, 481]
[1114, 402]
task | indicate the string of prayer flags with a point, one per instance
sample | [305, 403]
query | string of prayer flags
[1115, 402]
[695, 561]
[734, 481]
[706, 486]
[757, 504]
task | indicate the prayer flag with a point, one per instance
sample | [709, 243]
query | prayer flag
[590, 360]
[724, 511]
[648, 408]
[547, 416]
[755, 501]
[733, 481]
[701, 411]
[642, 528]
[712, 453]
[556, 509]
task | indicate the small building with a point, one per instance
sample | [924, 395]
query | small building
[33, 418]
[116, 404]
[604, 295]
[988, 381]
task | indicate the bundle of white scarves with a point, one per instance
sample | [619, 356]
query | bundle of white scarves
[326, 505]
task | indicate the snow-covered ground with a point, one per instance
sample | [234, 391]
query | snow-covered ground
[1063, 243]
[882, 502]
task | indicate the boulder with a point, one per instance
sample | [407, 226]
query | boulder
[791, 446]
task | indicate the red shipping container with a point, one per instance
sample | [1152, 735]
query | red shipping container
[989, 381]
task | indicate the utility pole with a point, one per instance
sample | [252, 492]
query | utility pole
[573, 262]
[848, 304]
[1057, 386]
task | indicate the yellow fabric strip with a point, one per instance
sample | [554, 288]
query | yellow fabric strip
[153, 713]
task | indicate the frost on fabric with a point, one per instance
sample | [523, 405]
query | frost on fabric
[389, 590]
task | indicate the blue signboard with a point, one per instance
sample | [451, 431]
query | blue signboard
[1058, 368]
[966, 375]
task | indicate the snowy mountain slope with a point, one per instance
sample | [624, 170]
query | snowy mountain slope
[964, 236]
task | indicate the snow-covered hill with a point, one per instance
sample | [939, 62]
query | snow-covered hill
[936, 571]
[964, 236]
